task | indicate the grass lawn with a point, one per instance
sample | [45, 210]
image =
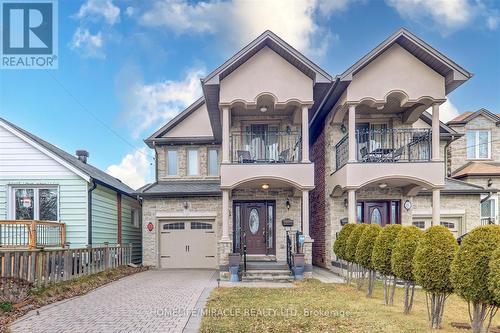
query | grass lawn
[339, 308]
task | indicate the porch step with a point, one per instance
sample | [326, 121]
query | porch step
[266, 265]
[261, 258]
[276, 275]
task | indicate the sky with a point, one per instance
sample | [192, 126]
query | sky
[126, 67]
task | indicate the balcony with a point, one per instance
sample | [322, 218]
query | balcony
[31, 234]
[401, 156]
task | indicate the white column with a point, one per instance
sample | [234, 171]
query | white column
[305, 213]
[352, 133]
[305, 134]
[226, 118]
[435, 133]
[225, 215]
[351, 206]
[436, 206]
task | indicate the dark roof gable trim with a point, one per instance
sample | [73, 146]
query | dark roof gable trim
[482, 111]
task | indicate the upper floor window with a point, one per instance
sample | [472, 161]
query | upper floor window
[478, 144]
[134, 217]
[193, 164]
[172, 162]
[213, 162]
[35, 203]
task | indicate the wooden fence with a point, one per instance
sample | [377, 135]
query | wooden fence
[51, 266]
[32, 234]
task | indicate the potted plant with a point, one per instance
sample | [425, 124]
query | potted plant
[234, 266]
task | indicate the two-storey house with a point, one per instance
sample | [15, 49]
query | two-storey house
[277, 145]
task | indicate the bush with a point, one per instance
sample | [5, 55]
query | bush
[365, 245]
[339, 247]
[382, 250]
[352, 242]
[404, 251]
[5, 306]
[494, 278]
[470, 271]
[431, 267]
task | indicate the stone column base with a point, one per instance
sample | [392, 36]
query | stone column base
[225, 247]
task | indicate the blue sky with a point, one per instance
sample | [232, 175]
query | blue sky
[126, 67]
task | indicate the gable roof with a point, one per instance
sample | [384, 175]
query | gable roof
[455, 186]
[454, 74]
[465, 117]
[210, 84]
[157, 137]
[474, 168]
[84, 170]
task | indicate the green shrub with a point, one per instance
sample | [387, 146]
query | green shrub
[352, 242]
[404, 251]
[339, 247]
[494, 279]
[382, 250]
[5, 306]
[365, 245]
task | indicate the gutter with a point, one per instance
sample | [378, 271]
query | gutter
[487, 197]
[89, 214]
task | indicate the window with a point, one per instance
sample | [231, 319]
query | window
[478, 144]
[419, 224]
[35, 203]
[173, 226]
[448, 225]
[172, 162]
[201, 225]
[488, 208]
[135, 217]
[193, 169]
[213, 162]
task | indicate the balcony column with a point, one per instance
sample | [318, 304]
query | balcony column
[435, 133]
[436, 207]
[305, 213]
[305, 134]
[225, 216]
[351, 206]
[352, 133]
[226, 118]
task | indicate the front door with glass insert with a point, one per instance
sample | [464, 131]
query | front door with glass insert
[254, 226]
[379, 212]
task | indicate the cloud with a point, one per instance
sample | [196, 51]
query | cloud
[149, 104]
[95, 9]
[297, 22]
[447, 16]
[447, 111]
[133, 170]
[88, 45]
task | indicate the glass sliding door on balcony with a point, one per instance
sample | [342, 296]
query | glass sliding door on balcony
[262, 143]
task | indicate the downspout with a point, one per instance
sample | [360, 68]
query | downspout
[89, 213]
[156, 162]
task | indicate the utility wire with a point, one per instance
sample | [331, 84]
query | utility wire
[93, 115]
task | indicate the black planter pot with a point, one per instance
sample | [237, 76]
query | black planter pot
[299, 260]
[234, 259]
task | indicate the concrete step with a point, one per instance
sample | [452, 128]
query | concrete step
[267, 278]
[265, 265]
[278, 275]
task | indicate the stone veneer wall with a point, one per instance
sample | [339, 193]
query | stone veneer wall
[174, 206]
[317, 202]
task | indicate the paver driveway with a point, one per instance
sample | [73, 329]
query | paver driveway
[151, 301]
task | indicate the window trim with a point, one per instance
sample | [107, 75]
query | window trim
[476, 145]
[217, 174]
[11, 197]
[188, 162]
[135, 217]
[176, 162]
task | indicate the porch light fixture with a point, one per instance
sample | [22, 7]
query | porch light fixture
[382, 185]
[287, 203]
[263, 109]
[265, 186]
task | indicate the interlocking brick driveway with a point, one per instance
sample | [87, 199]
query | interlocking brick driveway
[152, 301]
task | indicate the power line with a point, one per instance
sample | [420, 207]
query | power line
[93, 115]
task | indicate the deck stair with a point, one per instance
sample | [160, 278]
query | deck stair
[267, 271]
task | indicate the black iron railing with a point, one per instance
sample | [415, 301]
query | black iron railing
[265, 147]
[387, 146]
[292, 246]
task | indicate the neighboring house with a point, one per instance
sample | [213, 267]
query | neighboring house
[276, 139]
[41, 182]
[475, 156]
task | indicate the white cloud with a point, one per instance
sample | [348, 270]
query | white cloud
[90, 46]
[240, 21]
[94, 9]
[447, 16]
[155, 103]
[130, 11]
[133, 170]
[447, 111]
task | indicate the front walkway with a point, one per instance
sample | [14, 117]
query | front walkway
[151, 301]
[326, 275]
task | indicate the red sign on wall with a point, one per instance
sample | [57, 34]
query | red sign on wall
[150, 226]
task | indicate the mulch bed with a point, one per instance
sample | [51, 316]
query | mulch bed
[64, 290]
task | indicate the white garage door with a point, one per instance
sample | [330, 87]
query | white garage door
[187, 244]
[453, 223]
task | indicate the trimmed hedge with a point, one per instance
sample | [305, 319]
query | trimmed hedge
[352, 242]
[470, 267]
[365, 245]
[494, 279]
[339, 247]
[432, 262]
[382, 250]
[404, 251]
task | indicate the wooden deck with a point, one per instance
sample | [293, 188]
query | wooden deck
[30, 234]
